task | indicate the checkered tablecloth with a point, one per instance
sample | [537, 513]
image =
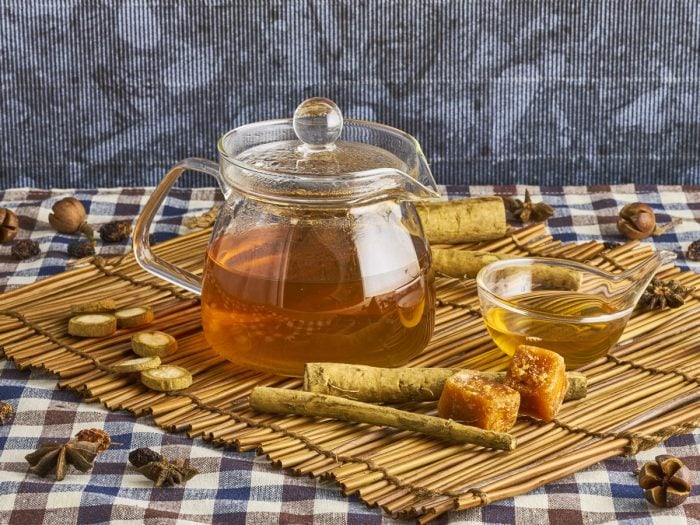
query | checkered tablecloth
[241, 488]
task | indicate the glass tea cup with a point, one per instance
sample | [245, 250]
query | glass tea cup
[570, 308]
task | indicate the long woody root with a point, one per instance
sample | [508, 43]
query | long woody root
[283, 401]
[397, 385]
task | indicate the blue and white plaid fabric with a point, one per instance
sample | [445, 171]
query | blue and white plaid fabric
[241, 488]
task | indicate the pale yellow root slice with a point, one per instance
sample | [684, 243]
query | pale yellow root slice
[92, 325]
[135, 316]
[166, 378]
[149, 344]
[136, 365]
[94, 307]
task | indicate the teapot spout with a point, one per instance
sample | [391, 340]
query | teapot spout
[416, 185]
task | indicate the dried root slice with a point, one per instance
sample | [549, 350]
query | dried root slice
[92, 325]
[136, 316]
[136, 365]
[94, 307]
[148, 344]
[166, 378]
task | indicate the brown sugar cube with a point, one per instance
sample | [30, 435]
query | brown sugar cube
[479, 402]
[540, 377]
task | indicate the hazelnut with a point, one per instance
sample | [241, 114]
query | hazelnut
[636, 221]
[69, 217]
[9, 225]
[666, 481]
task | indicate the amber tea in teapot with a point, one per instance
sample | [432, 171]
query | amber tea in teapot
[318, 253]
[285, 295]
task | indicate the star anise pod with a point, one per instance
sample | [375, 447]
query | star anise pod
[527, 211]
[6, 412]
[56, 457]
[660, 294]
[168, 473]
[95, 435]
[666, 482]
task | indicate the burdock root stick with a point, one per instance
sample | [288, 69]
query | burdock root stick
[461, 263]
[397, 385]
[466, 264]
[463, 220]
[283, 401]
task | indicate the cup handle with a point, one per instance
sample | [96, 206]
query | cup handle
[148, 260]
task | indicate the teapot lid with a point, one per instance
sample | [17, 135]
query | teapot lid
[316, 150]
[319, 159]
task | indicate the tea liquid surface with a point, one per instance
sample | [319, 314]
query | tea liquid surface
[279, 296]
[579, 343]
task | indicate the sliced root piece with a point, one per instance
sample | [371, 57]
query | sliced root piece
[136, 316]
[92, 325]
[136, 365]
[94, 307]
[166, 378]
[149, 344]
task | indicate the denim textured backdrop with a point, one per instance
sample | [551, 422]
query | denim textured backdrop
[108, 93]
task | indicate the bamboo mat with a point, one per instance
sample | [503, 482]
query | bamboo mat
[643, 392]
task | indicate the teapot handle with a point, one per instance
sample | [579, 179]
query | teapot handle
[148, 260]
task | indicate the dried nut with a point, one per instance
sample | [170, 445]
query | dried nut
[666, 482]
[636, 221]
[69, 217]
[9, 225]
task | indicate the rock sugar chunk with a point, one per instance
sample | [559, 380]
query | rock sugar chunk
[539, 376]
[480, 402]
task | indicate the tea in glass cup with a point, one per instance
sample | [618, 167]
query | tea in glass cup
[570, 308]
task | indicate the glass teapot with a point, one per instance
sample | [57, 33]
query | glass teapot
[318, 253]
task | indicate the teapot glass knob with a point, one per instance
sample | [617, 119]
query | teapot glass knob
[318, 123]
